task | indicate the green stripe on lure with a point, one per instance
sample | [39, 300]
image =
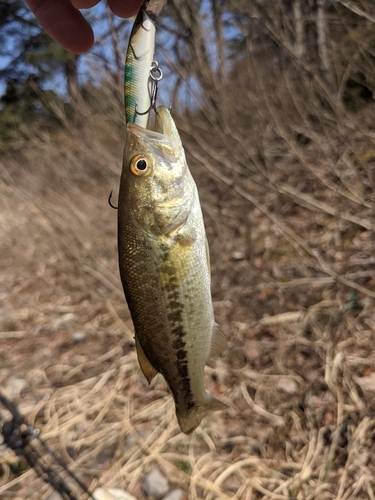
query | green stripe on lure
[138, 63]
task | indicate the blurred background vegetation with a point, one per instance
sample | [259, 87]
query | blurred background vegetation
[275, 104]
[218, 55]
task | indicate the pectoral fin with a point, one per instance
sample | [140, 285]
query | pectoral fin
[218, 342]
[147, 369]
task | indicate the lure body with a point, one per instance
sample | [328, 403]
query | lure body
[139, 57]
[164, 267]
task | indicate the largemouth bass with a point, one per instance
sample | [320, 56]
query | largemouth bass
[164, 267]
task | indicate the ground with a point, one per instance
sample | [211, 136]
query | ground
[293, 289]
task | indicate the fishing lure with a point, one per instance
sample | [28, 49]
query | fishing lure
[141, 71]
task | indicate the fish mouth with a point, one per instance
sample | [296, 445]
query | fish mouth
[164, 126]
[164, 139]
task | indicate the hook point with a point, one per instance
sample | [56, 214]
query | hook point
[109, 201]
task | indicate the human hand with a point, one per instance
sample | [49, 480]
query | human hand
[62, 20]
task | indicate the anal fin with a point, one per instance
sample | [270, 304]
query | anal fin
[147, 369]
[218, 342]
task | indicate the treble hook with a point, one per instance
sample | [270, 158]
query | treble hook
[156, 75]
[109, 200]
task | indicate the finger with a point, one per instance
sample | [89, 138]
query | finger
[125, 8]
[64, 24]
[84, 4]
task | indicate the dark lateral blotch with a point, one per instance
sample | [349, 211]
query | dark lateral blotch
[181, 354]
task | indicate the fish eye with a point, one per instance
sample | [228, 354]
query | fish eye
[140, 165]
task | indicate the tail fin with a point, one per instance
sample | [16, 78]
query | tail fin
[190, 420]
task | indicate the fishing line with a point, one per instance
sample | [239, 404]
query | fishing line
[18, 436]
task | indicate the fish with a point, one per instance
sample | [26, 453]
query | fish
[165, 267]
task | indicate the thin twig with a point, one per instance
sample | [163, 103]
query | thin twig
[278, 421]
[104, 280]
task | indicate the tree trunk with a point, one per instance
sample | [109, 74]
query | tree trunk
[322, 36]
[118, 75]
[299, 46]
[74, 93]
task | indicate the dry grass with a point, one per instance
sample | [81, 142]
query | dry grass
[299, 373]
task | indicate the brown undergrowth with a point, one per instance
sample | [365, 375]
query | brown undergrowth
[293, 288]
